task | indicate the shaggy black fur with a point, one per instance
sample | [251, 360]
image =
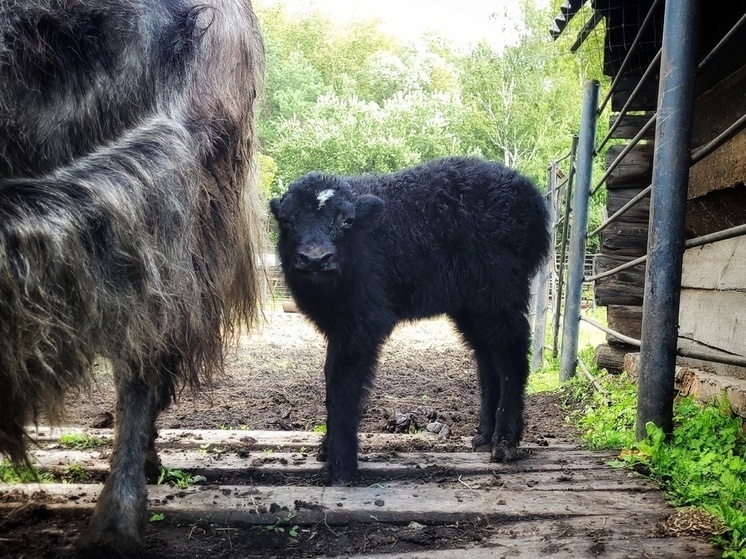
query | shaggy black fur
[128, 221]
[459, 236]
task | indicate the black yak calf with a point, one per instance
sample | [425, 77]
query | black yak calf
[459, 236]
[128, 219]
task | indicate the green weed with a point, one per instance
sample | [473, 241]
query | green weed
[82, 441]
[23, 474]
[702, 464]
[73, 473]
[175, 478]
[277, 528]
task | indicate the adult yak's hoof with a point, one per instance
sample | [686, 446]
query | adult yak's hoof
[503, 451]
[93, 546]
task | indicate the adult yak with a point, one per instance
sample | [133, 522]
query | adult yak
[128, 219]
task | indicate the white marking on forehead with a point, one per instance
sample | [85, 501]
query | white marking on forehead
[323, 196]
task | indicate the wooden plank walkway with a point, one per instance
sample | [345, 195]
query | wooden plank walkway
[556, 502]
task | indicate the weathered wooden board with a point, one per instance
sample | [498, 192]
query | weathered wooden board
[557, 501]
[635, 170]
[623, 288]
[388, 502]
[224, 461]
[625, 238]
[723, 168]
[645, 100]
[618, 197]
[716, 109]
[716, 211]
[714, 318]
[720, 265]
[630, 126]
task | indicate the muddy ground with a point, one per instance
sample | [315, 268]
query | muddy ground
[274, 381]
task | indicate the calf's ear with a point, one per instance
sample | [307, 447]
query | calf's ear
[274, 206]
[369, 211]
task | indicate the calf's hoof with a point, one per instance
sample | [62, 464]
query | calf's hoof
[481, 443]
[338, 476]
[503, 451]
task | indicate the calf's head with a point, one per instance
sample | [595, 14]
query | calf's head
[321, 219]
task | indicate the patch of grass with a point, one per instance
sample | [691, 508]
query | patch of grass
[23, 474]
[701, 465]
[320, 429]
[82, 441]
[157, 517]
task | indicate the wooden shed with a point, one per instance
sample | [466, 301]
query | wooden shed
[712, 316]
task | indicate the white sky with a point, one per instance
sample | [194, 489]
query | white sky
[464, 22]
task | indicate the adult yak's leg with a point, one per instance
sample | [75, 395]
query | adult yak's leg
[119, 519]
[349, 371]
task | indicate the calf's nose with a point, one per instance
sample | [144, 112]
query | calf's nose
[313, 259]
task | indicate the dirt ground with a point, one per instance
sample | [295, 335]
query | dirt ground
[274, 381]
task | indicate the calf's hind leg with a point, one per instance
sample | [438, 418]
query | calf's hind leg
[501, 343]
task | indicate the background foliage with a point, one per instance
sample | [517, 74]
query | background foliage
[351, 99]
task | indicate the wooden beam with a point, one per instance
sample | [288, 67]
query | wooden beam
[630, 126]
[724, 168]
[625, 239]
[714, 318]
[720, 265]
[645, 100]
[635, 170]
[716, 211]
[618, 197]
[624, 288]
[611, 357]
[625, 319]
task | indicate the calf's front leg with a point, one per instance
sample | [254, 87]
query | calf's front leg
[349, 375]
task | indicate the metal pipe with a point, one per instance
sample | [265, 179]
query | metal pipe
[563, 247]
[618, 335]
[714, 356]
[586, 139]
[542, 283]
[620, 268]
[667, 215]
[737, 231]
[628, 57]
[632, 143]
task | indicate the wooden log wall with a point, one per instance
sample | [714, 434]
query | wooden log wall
[626, 238]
